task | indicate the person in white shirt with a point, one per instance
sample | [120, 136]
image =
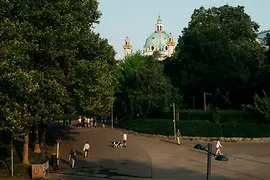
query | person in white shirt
[218, 146]
[88, 122]
[86, 149]
[125, 139]
[79, 121]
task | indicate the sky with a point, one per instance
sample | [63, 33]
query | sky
[136, 19]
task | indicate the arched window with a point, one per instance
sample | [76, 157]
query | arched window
[166, 48]
[152, 48]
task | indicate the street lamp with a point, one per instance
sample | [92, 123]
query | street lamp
[209, 153]
[174, 123]
[204, 99]
[57, 152]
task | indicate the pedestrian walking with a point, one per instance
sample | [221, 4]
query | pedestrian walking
[218, 147]
[79, 121]
[178, 135]
[88, 122]
[86, 149]
[72, 158]
[125, 139]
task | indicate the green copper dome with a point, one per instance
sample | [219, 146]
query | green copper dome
[158, 40]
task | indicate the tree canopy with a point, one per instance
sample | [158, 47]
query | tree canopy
[142, 88]
[217, 52]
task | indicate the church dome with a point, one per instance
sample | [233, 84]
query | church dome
[157, 41]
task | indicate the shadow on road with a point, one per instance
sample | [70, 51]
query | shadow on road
[168, 141]
[127, 169]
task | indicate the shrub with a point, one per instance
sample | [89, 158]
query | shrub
[263, 105]
[197, 128]
[216, 115]
[220, 115]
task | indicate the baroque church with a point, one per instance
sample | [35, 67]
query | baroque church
[159, 41]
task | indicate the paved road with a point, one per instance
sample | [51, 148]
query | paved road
[157, 158]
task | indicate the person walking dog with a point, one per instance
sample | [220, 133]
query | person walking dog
[178, 135]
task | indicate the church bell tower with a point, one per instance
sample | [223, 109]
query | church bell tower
[127, 47]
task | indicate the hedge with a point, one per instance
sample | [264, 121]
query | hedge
[225, 115]
[197, 128]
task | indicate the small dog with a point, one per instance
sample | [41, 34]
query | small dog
[117, 144]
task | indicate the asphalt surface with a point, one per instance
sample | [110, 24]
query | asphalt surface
[148, 158]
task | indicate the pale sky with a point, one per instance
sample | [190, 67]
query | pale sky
[136, 18]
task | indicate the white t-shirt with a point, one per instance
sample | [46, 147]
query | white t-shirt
[86, 146]
[218, 145]
[125, 137]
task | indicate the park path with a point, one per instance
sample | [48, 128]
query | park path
[158, 158]
[104, 160]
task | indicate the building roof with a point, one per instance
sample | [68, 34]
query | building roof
[158, 40]
[262, 34]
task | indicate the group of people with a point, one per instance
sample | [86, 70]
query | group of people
[86, 148]
[87, 122]
[218, 144]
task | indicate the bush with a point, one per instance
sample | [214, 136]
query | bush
[197, 128]
[216, 115]
[222, 116]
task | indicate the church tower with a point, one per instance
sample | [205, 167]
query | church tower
[127, 47]
[159, 24]
[170, 45]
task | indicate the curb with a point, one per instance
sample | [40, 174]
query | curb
[197, 138]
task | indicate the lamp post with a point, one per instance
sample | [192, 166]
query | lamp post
[174, 123]
[57, 152]
[209, 153]
[204, 99]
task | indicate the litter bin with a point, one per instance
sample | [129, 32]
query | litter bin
[54, 160]
[40, 170]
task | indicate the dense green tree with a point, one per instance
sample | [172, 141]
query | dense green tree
[93, 88]
[41, 44]
[263, 105]
[217, 52]
[142, 87]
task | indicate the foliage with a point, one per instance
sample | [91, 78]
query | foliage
[216, 115]
[26, 99]
[93, 88]
[141, 87]
[197, 128]
[224, 115]
[42, 43]
[218, 50]
[263, 105]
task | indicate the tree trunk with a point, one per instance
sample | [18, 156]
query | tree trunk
[36, 145]
[43, 136]
[25, 150]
